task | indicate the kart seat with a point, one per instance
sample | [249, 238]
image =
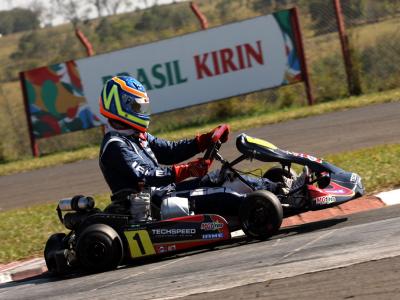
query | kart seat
[259, 149]
[262, 150]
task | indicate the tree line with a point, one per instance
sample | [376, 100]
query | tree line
[18, 19]
[107, 33]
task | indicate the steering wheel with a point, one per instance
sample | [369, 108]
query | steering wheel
[212, 150]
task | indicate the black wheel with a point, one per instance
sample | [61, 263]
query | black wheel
[99, 248]
[53, 254]
[276, 173]
[261, 215]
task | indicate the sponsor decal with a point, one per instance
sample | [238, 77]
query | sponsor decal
[209, 64]
[212, 236]
[174, 231]
[160, 173]
[324, 200]
[165, 248]
[171, 248]
[228, 60]
[135, 165]
[211, 226]
[156, 76]
[354, 177]
[139, 243]
[304, 155]
[341, 191]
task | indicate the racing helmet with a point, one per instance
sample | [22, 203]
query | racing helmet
[124, 99]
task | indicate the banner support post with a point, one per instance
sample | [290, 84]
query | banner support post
[200, 16]
[34, 144]
[85, 42]
[303, 62]
[353, 82]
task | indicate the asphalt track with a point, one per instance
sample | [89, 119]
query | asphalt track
[319, 135]
[346, 257]
[341, 258]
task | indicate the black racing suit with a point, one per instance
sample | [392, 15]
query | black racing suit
[128, 162]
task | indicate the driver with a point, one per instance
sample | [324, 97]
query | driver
[137, 165]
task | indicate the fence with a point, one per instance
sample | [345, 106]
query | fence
[373, 29]
[374, 35]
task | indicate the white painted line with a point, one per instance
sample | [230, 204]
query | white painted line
[116, 281]
[276, 243]
[136, 274]
[306, 245]
[391, 197]
[170, 263]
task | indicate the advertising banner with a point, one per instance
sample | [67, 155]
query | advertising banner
[196, 68]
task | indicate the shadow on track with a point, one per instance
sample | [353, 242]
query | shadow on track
[309, 227]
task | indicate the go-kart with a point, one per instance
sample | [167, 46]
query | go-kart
[101, 241]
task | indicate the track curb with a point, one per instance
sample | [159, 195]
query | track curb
[21, 270]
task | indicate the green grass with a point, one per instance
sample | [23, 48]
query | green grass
[375, 165]
[237, 124]
[24, 231]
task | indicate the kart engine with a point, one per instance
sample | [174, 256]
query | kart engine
[79, 205]
[76, 203]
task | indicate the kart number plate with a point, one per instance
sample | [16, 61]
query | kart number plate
[139, 243]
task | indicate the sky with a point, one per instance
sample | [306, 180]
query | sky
[48, 4]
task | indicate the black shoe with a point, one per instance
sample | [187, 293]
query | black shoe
[293, 189]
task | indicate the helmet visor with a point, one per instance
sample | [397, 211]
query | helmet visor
[140, 106]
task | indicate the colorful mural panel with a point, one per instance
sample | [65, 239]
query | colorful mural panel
[293, 67]
[56, 102]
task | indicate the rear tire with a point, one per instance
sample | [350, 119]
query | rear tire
[261, 215]
[53, 254]
[276, 173]
[99, 248]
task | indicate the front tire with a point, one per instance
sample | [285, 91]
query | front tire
[99, 248]
[261, 215]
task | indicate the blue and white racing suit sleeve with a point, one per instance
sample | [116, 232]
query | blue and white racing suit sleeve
[168, 152]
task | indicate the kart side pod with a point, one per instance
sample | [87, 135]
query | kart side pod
[174, 207]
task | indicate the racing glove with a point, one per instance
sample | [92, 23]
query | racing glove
[205, 140]
[195, 168]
